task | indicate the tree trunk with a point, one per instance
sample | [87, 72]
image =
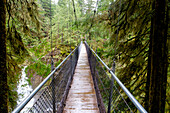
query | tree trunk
[3, 66]
[58, 33]
[158, 59]
[148, 72]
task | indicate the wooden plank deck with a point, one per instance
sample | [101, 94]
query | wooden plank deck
[82, 97]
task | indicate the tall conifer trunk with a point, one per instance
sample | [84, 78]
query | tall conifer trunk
[3, 66]
[158, 59]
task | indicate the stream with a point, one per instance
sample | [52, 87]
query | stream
[23, 90]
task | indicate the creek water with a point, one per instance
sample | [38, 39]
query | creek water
[24, 89]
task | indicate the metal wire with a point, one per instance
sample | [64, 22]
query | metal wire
[43, 92]
[111, 95]
[61, 82]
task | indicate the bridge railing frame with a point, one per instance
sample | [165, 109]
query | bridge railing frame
[114, 77]
[34, 92]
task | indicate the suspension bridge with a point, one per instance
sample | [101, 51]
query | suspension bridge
[82, 83]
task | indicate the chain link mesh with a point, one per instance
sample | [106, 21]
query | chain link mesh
[58, 88]
[110, 96]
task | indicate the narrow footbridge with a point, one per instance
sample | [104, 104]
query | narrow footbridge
[82, 83]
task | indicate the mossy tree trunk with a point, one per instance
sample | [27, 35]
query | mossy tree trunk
[3, 66]
[148, 73]
[158, 59]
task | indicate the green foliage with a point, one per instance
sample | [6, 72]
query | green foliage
[132, 48]
[22, 18]
[29, 37]
[132, 29]
[39, 61]
[46, 6]
[40, 68]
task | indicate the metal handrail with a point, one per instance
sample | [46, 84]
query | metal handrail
[131, 97]
[23, 104]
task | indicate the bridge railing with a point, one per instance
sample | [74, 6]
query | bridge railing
[51, 96]
[112, 95]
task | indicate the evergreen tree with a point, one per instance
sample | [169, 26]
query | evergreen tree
[131, 21]
[130, 31]
[22, 24]
[46, 6]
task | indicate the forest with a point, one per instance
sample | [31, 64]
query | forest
[132, 33]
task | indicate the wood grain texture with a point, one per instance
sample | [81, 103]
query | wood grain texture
[82, 96]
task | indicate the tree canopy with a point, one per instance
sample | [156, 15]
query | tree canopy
[132, 33]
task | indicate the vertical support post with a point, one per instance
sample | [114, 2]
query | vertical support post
[52, 63]
[95, 65]
[114, 66]
[111, 88]
[90, 59]
[77, 55]
[53, 85]
[71, 62]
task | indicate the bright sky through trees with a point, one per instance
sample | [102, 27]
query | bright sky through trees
[56, 1]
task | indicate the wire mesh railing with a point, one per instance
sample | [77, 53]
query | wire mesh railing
[51, 96]
[112, 95]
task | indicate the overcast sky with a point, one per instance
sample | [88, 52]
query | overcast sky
[55, 1]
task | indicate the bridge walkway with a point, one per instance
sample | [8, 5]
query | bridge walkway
[82, 96]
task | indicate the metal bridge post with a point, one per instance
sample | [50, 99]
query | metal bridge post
[111, 88]
[118, 82]
[71, 63]
[95, 65]
[52, 63]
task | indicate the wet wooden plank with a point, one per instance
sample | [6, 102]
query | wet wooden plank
[82, 97]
